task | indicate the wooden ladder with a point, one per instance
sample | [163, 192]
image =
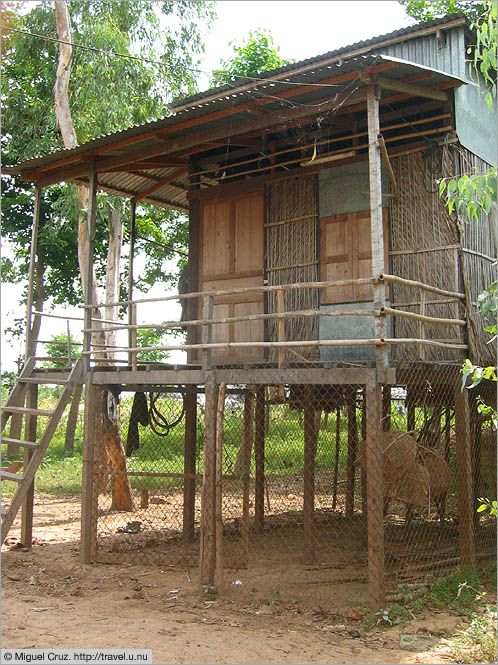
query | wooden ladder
[36, 449]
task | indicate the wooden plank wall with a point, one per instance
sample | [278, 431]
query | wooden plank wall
[231, 256]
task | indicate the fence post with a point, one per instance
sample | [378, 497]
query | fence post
[259, 460]
[375, 497]
[464, 477]
[247, 439]
[189, 462]
[91, 439]
[207, 330]
[207, 559]
[310, 437]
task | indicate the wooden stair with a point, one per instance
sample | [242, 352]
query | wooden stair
[37, 448]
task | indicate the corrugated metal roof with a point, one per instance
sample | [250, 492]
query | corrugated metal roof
[343, 51]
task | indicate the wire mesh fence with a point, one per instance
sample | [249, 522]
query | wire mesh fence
[293, 477]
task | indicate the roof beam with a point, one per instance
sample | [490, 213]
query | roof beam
[159, 185]
[411, 89]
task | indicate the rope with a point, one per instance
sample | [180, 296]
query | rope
[157, 421]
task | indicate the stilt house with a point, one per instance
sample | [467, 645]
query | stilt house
[325, 276]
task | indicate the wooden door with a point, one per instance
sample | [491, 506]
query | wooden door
[346, 253]
[231, 256]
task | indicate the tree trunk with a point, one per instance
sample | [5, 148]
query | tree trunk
[111, 438]
[112, 271]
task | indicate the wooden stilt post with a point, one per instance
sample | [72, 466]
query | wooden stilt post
[90, 231]
[189, 462]
[207, 563]
[259, 459]
[30, 347]
[337, 451]
[29, 435]
[72, 418]
[464, 477]
[309, 473]
[352, 452]
[375, 496]
[364, 502]
[133, 207]
[220, 412]
[247, 437]
[92, 439]
[386, 408]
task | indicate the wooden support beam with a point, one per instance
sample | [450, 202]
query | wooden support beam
[190, 401]
[30, 349]
[207, 562]
[29, 435]
[411, 89]
[352, 453]
[376, 225]
[247, 439]
[159, 185]
[92, 437]
[220, 412]
[90, 244]
[464, 478]
[259, 459]
[390, 172]
[310, 439]
[375, 498]
[133, 209]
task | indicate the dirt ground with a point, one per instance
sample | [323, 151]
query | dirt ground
[51, 600]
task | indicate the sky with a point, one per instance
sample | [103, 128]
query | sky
[301, 30]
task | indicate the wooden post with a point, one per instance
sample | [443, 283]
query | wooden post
[207, 330]
[464, 477]
[352, 452]
[422, 325]
[90, 230]
[30, 350]
[134, 336]
[247, 437]
[29, 435]
[375, 498]
[364, 501]
[259, 459]
[220, 412]
[133, 207]
[91, 435]
[207, 563]
[337, 451]
[193, 274]
[376, 226]
[189, 462]
[72, 418]
[386, 408]
[16, 423]
[309, 473]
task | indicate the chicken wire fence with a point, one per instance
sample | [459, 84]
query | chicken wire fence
[302, 498]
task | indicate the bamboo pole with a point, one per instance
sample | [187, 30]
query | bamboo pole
[133, 337]
[90, 245]
[218, 576]
[133, 206]
[247, 436]
[420, 285]
[422, 317]
[389, 168]
[207, 331]
[362, 281]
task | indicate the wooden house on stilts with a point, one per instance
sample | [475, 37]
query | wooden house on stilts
[331, 301]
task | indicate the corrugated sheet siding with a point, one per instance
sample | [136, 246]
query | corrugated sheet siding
[428, 51]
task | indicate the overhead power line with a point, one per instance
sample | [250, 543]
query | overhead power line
[159, 63]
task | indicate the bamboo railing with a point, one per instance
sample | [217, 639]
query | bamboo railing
[207, 299]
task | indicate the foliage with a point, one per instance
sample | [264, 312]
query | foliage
[484, 52]
[57, 348]
[477, 643]
[151, 337]
[255, 55]
[107, 93]
[422, 10]
[470, 194]
[487, 504]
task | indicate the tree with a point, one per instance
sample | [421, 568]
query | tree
[253, 56]
[107, 93]
[427, 11]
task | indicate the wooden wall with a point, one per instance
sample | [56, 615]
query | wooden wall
[231, 256]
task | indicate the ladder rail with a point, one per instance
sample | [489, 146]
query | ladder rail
[37, 456]
[17, 392]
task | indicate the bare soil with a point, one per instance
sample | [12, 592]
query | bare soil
[51, 600]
